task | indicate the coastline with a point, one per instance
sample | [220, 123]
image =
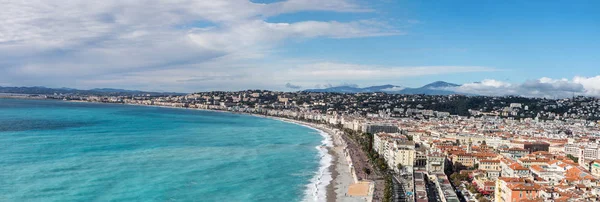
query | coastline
[333, 177]
[338, 169]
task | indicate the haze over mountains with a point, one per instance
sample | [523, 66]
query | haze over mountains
[435, 88]
[96, 91]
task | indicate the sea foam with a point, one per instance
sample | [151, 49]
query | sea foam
[317, 189]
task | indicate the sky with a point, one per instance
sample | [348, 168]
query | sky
[529, 48]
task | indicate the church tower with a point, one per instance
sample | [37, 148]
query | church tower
[469, 146]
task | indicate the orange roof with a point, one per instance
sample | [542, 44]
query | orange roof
[489, 183]
[485, 154]
[465, 154]
[537, 168]
[517, 166]
[562, 186]
[532, 200]
[570, 162]
[511, 179]
[524, 187]
[562, 199]
[516, 149]
[552, 162]
[489, 161]
[540, 160]
[576, 174]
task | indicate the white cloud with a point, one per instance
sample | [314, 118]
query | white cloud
[257, 35]
[86, 44]
[590, 84]
[181, 45]
[59, 24]
[543, 87]
[392, 89]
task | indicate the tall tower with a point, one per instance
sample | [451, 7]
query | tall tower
[469, 146]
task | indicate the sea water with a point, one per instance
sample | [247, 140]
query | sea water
[67, 151]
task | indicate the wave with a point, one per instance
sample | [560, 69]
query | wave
[317, 189]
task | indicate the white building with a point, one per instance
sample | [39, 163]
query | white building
[395, 149]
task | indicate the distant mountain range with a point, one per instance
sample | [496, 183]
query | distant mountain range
[435, 88]
[96, 91]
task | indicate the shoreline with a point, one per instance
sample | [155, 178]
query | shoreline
[339, 167]
[316, 190]
[331, 157]
[333, 162]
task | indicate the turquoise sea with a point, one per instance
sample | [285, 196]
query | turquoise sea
[66, 151]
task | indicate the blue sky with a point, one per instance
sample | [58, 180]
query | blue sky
[187, 45]
[523, 39]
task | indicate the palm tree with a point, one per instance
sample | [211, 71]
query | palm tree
[400, 167]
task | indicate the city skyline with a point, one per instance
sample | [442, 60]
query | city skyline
[515, 47]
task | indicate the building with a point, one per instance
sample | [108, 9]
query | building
[528, 162]
[516, 189]
[484, 184]
[464, 159]
[420, 156]
[403, 153]
[420, 187]
[436, 163]
[395, 149]
[547, 175]
[381, 128]
[572, 149]
[587, 154]
[513, 169]
[444, 188]
[491, 167]
[595, 168]
[514, 152]
[536, 146]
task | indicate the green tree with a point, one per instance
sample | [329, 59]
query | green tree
[399, 166]
[387, 191]
[367, 172]
[484, 200]
[471, 188]
[573, 158]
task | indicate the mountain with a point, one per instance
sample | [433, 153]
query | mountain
[440, 84]
[114, 90]
[40, 90]
[425, 91]
[337, 89]
[384, 88]
[435, 88]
